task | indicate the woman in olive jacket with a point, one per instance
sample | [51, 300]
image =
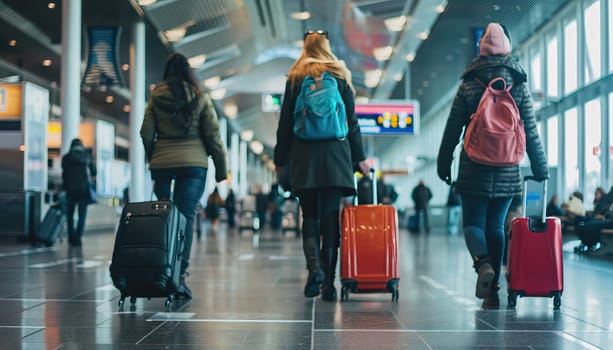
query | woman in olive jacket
[321, 172]
[179, 147]
[487, 191]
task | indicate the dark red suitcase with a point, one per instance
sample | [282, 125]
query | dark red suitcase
[369, 249]
[534, 266]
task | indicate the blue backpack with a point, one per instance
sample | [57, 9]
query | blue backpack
[319, 112]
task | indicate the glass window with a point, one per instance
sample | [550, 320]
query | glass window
[535, 71]
[592, 149]
[552, 67]
[552, 141]
[571, 149]
[610, 145]
[570, 56]
[591, 17]
[610, 38]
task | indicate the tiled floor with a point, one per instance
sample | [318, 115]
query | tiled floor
[249, 296]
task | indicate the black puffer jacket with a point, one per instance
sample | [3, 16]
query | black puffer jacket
[483, 180]
[322, 164]
[75, 166]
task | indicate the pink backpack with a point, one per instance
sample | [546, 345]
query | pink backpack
[495, 135]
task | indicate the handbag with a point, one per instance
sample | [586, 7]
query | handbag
[92, 196]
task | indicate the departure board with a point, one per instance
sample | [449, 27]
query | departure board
[388, 117]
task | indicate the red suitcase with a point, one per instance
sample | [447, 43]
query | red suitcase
[369, 249]
[534, 265]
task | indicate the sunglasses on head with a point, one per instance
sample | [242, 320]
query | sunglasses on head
[320, 32]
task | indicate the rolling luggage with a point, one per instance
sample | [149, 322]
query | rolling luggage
[52, 226]
[369, 248]
[534, 263]
[148, 247]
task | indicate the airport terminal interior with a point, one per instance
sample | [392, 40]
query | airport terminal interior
[86, 69]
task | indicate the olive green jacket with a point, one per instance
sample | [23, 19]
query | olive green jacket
[169, 146]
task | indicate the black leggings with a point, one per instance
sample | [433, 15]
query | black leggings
[323, 206]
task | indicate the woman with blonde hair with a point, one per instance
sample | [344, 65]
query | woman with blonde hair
[320, 171]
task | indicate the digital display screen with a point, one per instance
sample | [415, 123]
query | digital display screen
[388, 119]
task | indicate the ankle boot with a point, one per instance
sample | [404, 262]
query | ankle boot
[486, 276]
[329, 258]
[310, 247]
[492, 301]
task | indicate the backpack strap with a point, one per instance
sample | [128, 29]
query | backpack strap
[506, 87]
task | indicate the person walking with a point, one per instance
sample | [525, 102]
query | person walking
[421, 197]
[321, 171]
[230, 205]
[486, 191]
[78, 171]
[179, 131]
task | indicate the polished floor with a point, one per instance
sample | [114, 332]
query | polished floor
[248, 295]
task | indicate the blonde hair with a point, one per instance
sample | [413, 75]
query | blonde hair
[317, 57]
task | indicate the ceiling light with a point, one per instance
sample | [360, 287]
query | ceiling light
[196, 61]
[218, 94]
[440, 8]
[125, 67]
[395, 24]
[230, 109]
[12, 42]
[301, 16]
[423, 35]
[211, 83]
[175, 34]
[146, 2]
[126, 108]
[383, 53]
[410, 57]
[257, 147]
[47, 62]
[51, 5]
[247, 135]
[109, 99]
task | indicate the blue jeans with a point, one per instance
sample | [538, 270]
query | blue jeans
[483, 220]
[71, 203]
[189, 186]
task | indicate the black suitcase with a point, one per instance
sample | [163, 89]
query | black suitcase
[147, 254]
[52, 226]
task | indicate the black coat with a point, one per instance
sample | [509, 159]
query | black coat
[75, 166]
[318, 164]
[478, 179]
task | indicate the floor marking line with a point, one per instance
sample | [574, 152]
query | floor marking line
[576, 340]
[424, 340]
[26, 327]
[61, 300]
[457, 330]
[26, 252]
[313, 325]
[210, 320]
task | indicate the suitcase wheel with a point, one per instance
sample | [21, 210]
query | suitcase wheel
[344, 293]
[557, 301]
[168, 303]
[512, 299]
[122, 300]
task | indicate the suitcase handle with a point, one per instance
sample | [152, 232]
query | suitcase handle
[374, 187]
[172, 189]
[525, 195]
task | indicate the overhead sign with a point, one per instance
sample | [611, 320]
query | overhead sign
[390, 117]
[10, 101]
[102, 63]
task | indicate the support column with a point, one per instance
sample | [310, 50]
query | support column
[243, 169]
[223, 132]
[71, 72]
[234, 156]
[137, 111]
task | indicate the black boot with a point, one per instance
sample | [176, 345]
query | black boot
[310, 247]
[486, 276]
[329, 258]
[492, 301]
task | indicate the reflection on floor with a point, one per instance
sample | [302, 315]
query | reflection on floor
[250, 297]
